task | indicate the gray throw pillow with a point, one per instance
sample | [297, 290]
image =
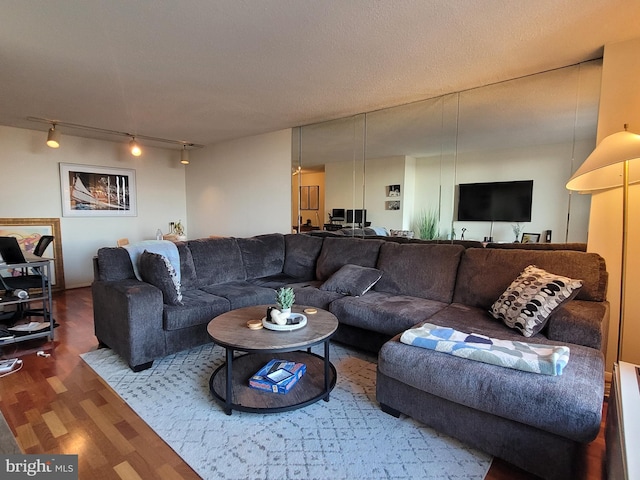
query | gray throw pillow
[352, 280]
[529, 301]
[157, 270]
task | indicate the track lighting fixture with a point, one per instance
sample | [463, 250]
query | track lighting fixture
[53, 138]
[134, 147]
[184, 156]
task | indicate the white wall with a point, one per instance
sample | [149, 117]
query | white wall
[31, 188]
[240, 187]
[380, 173]
[549, 167]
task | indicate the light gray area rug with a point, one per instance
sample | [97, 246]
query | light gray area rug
[347, 438]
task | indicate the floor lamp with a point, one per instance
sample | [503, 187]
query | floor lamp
[608, 167]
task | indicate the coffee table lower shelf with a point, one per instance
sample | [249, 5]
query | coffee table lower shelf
[309, 389]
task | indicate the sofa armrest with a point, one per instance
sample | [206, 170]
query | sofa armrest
[127, 316]
[581, 322]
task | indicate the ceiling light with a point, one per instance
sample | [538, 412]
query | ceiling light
[135, 148]
[53, 138]
[184, 156]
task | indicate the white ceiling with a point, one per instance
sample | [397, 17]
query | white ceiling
[203, 71]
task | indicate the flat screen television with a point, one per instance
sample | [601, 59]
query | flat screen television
[337, 214]
[495, 201]
[358, 216]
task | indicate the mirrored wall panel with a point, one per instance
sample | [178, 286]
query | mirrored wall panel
[487, 163]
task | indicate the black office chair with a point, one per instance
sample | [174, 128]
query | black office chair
[29, 281]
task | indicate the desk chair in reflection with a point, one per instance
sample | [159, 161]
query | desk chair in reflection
[32, 278]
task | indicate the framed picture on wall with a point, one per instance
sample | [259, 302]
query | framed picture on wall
[28, 231]
[310, 197]
[393, 190]
[530, 237]
[93, 191]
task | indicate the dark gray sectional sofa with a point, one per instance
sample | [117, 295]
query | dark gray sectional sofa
[537, 422]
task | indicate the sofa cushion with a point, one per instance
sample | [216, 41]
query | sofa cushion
[262, 255]
[419, 270]
[337, 252]
[157, 270]
[114, 264]
[485, 273]
[188, 279]
[309, 293]
[198, 308]
[301, 254]
[532, 297]
[217, 260]
[352, 280]
[384, 312]
[242, 294]
[580, 322]
[569, 405]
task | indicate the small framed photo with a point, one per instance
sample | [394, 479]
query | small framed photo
[530, 238]
[393, 190]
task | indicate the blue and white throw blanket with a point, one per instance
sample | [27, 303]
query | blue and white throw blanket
[161, 247]
[535, 358]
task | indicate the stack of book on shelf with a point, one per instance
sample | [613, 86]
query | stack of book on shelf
[278, 376]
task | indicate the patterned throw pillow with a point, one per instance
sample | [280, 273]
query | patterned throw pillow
[531, 299]
[157, 270]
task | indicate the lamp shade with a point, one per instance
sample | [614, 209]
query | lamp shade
[604, 167]
[53, 138]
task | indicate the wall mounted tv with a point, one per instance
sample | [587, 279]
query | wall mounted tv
[495, 201]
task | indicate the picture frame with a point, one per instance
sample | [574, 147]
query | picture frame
[530, 238]
[95, 191]
[393, 190]
[392, 205]
[28, 232]
[310, 197]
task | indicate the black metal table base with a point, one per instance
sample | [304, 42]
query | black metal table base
[233, 376]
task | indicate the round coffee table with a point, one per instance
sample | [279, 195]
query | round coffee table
[229, 384]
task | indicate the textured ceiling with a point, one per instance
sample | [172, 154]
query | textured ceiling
[204, 71]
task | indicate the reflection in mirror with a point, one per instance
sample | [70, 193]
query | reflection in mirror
[539, 128]
[332, 158]
[412, 147]
[533, 128]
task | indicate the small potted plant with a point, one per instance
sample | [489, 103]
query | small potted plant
[178, 231]
[284, 299]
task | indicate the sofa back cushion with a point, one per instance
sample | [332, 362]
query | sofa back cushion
[337, 252]
[262, 255]
[485, 273]
[301, 254]
[217, 260]
[419, 270]
[114, 264]
[188, 279]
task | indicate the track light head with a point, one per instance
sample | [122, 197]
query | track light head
[136, 151]
[184, 156]
[53, 138]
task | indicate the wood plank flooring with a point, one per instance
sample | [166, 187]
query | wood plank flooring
[57, 404]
